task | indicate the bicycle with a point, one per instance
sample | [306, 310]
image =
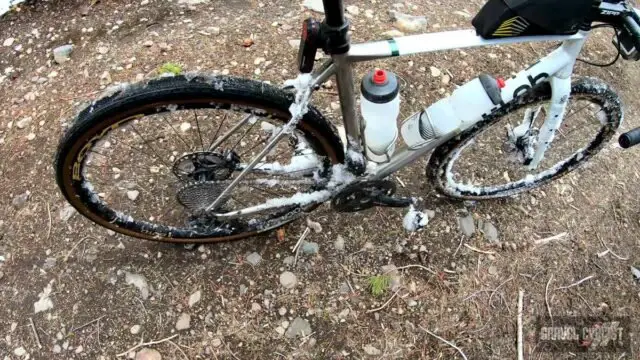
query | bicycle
[259, 157]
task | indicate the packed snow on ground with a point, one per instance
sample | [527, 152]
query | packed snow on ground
[5, 5]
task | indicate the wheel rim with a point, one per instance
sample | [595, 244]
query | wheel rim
[101, 208]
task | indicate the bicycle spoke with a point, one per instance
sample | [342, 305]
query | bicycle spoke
[215, 136]
[147, 143]
[176, 131]
[245, 134]
[195, 114]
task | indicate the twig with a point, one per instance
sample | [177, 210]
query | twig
[86, 324]
[445, 341]
[576, 283]
[226, 344]
[35, 333]
[383, 305]
[141, 344]
[496, 289]
[179, 349]
[75, 246]
[520, 344]
[296, 248]
[459, 245]
[413, 266]
[50, 222]
[546, 297]
[550, 239]
[609, 250]
[478, 250]
[401, 182]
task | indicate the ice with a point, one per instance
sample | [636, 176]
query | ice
[415, 220]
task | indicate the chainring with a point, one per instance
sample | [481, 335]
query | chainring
[363, 195]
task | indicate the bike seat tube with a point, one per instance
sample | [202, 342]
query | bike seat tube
[334, 12]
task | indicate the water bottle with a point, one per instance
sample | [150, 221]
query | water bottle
[463, 108]
[380, 107]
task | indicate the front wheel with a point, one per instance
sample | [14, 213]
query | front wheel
[148, 160]
[484, 162]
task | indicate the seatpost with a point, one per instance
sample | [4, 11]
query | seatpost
[334, 12]
[335, 28]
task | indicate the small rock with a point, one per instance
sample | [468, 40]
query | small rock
[371, 350]
[392, 34]
[299, 327]
[20, 200]
[288, 260]
[315, 226]
[20, 351]
[467, 225]
[412, 303]
[490, 232]
[144, 2]
[408, 23]
[282, 311]
[280, 330]
[103, 50]
[214, 30]
[140, 282]
[446, 79]
[248, 42]
[31, 136]
[57, 349]
[335, 105]
[185, 126]
[353, 10]
[255, 307]
[147, 43]
[30, 96]
[195, 298]
[493, 270]
[23, 123]
[163, 46]
[184, 322]
[49, 263]
[313, 5]
[148, 354]
[133, 194]
[435, 72]
[294, 43]
[339, 243]
[10, 41]
[635, 272]
[62, 54]
[310, 248]
[243, 289]
[135, 329]
[105, 78]
[288, 280]
[254, 258]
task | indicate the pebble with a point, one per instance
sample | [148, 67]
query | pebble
[254, 258]
[185, 126]
[467, 225]
[147, 43]
[493, 270]
[20, 351]
[133, 194]
[135, 329]
[294, 43]
[310, 248]
[23, 123]
[289, 260]
[139, 281]
[353, 10]
[30, 96]
[57, 349]
[412, 303]
[446, 79]
[243, 289]
[339, 243]
[435, 72]
[144, 2]
[184, 322]
[148, 354]
[282, 311]
[408, 23]
[335, 105]
[62, 54]
[194, 298]
[20, 200]
[314, 5]
[216, 342]
[299, 327]
[371, 350]
[490, 232]
[255, 307]
[31, 136]
[315, 226]
[103, 50]
[288, 280]
[8, 41]
[392, 34]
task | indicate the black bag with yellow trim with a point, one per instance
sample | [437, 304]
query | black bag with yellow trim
[509, 18]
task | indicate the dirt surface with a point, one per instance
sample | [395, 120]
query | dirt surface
[100, 294]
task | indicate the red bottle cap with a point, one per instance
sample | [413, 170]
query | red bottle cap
[379, 77]
[501, 83]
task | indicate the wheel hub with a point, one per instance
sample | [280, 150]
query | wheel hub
[206, 166]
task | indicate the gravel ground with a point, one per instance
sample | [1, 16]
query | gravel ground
[91, 294]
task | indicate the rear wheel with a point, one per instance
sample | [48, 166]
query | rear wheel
[484, 163]
[148, 160]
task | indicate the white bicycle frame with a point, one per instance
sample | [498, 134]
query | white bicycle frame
[556, 68]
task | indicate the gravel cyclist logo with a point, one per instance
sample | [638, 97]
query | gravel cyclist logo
[579, 335]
